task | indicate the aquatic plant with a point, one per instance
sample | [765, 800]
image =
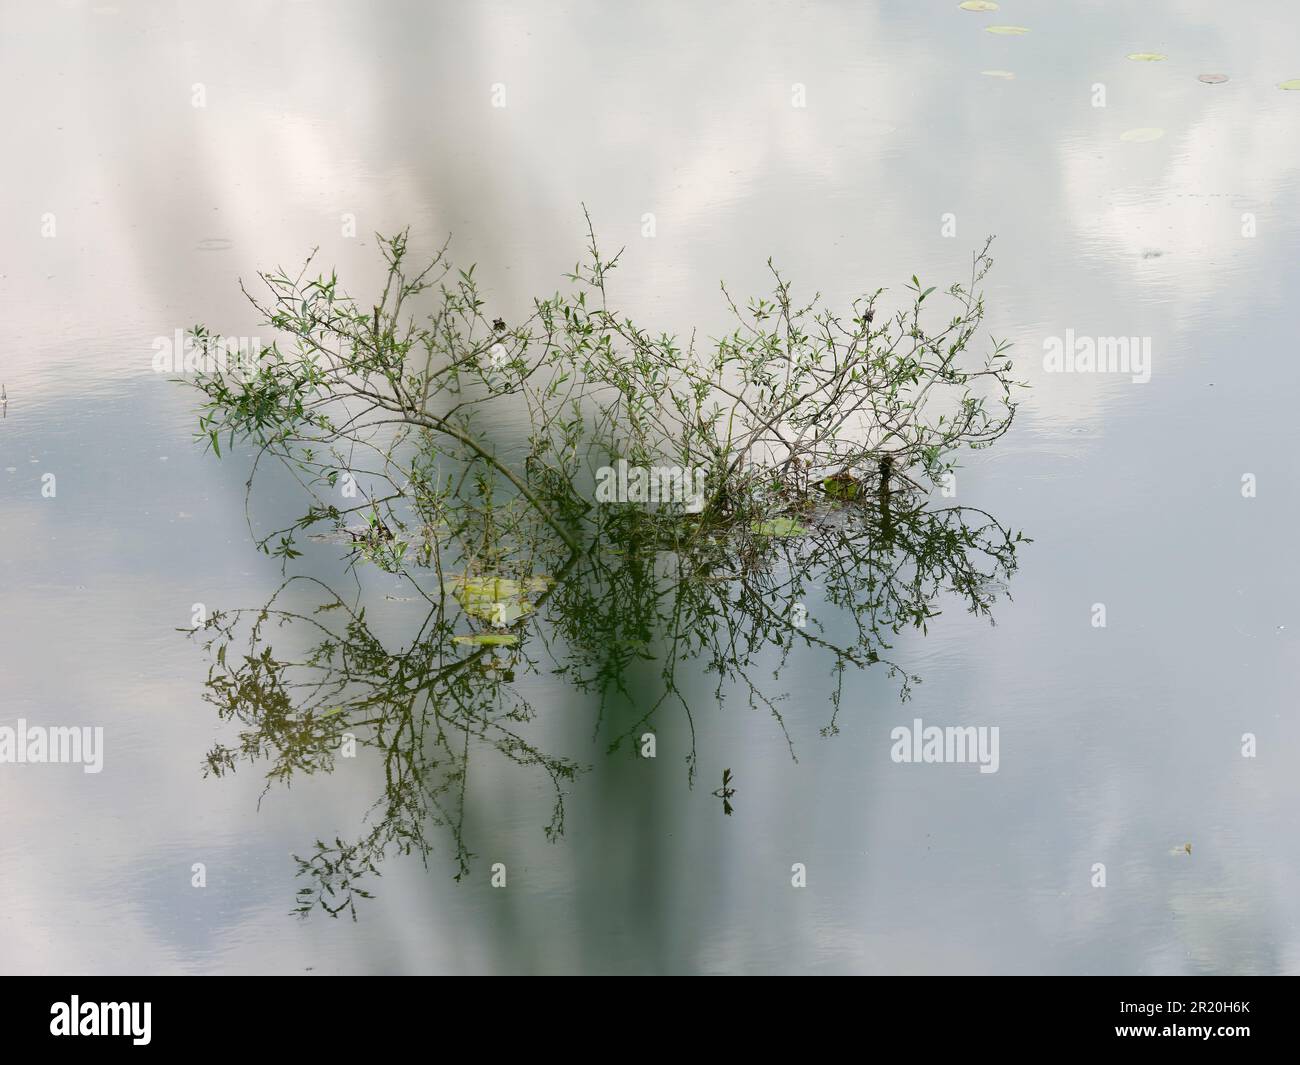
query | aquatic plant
[808, 440]
[399, 402]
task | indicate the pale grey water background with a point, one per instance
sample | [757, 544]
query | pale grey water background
[1116, 745]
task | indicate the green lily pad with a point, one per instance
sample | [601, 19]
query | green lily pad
[1147, 57]
[978, 5]
[782, 525]
[842, 487]
[1006, 31]
[487, 639]
[1291, 85]
[1142, 135]
[500, 600]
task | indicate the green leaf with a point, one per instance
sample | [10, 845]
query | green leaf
[782, 525]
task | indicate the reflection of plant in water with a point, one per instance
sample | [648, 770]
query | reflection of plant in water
[814, 435]
[726, 793]
[881, 567]
[420, 707]
[726, 606]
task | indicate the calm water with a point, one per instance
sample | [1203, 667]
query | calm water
[1118, 744]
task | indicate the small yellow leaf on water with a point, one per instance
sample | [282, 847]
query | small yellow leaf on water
[1008, 75]
[1293, 84]
[1146, 133]
[978, 5]
[1147, 57]
[1006, 31]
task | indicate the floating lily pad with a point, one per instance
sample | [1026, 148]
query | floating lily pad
[782, 525]
[1142, 135]
[1006, 31]
[1008, 75]
[500, 600]
[1291, 85]
[498, 587]
[978, 5]
[487, 639]
[1212, 79]
[1147, 57]
[842, 487]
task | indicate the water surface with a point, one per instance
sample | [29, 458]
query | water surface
[1118, 745]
